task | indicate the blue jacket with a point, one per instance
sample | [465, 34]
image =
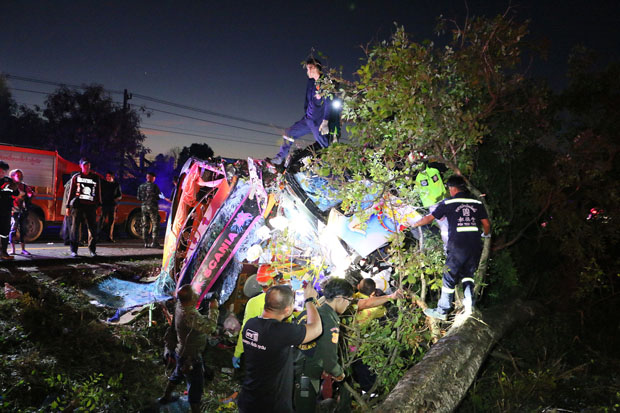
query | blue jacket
[316, 109]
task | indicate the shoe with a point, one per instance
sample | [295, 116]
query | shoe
[5, 256]
[24, 252]
[112, 241]
[467, 310]
[74, 254]
[155, 245]
[276, 160]
[93, 254]
[147, 245]
[435, 313]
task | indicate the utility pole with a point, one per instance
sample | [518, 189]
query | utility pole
[126, 97]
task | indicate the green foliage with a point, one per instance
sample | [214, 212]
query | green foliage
[503, 276]
[388, 347]
[92, 394]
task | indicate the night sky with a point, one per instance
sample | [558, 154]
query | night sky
[242, 59]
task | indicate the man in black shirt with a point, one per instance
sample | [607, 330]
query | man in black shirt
[267, 345]
[110, 195]
[83, 204]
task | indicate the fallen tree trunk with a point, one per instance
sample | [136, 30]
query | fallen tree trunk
[440, 380]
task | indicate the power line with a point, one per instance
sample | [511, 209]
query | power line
[150, 98]
[170, 113]
[147, 124]
[167, 112]
[208, 112]
[30, 91]
[210, 121]
[52, 83]
[208, 137]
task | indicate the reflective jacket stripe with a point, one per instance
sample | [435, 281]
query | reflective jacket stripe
[466, 200]
[466, 229]
[464, 280]
[447, 290]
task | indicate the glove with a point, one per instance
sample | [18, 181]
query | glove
[295, 283]
[236, 362]
[324, 128]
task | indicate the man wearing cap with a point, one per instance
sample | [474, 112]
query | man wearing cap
[83, 205]
[316, 119]
[267, 344]
[149, 194]
[8, 189]
[465, 215]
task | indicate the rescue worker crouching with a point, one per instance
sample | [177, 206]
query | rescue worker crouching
[321, 355]
[189, 331]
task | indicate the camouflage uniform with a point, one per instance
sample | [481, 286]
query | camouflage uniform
[148, 193]
[316, 357]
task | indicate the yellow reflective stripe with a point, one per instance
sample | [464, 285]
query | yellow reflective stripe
[447, 290]
[464, 280]
[466, 200]
[466, 229]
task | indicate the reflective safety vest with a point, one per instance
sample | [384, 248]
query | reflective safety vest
[430, 186]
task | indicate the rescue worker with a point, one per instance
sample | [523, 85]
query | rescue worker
[84, 204]
[253, 308]
[465, 215]
[369, 306]
[430, 187]
[149, 194]
[267, 341]
[8, 189]
[110, 194]
[21, 204]
[317, 115]
[190, 334]
[321, 355]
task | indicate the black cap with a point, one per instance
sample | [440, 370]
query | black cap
[4, 165]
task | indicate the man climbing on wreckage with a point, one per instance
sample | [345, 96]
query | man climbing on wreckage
[316, 120]
[188, 337]
[465, 215]
[267, 345]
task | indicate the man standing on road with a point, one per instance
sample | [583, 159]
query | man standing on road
[110, 194]
[465, 215]
[8, 189]
[321, 355]
[316, 118]
[267, 344]
[84, 203]
[191, 329]
[149, 194]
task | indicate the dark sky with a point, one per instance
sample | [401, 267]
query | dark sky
[243, 58]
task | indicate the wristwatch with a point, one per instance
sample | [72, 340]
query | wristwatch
[310, 300]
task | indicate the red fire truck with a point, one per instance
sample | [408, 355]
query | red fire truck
[47, 172]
